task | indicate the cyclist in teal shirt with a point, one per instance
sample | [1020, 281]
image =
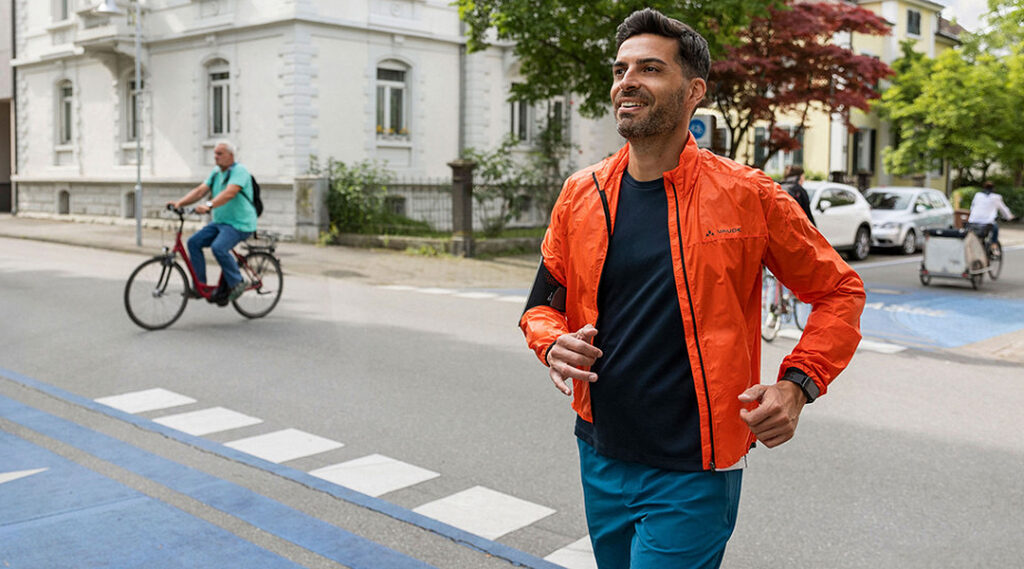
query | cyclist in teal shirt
[234, 219]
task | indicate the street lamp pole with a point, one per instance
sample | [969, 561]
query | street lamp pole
[135, 123]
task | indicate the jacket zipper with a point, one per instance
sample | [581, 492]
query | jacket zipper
[693, 317]
[604, 204]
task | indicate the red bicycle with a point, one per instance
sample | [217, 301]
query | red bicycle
[158, 290]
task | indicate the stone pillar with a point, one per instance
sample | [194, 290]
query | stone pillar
[310, 208]
[462, 207]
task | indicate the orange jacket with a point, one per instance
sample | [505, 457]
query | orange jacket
[725, 221]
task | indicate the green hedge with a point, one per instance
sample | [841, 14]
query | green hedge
[1014, 198]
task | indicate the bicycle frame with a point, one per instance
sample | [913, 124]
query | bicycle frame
[200, 290]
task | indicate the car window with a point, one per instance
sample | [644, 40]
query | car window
[938, 200]
[888, 200]
[923, 201]
[842, 197]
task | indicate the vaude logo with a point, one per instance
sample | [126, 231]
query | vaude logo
[711, 233]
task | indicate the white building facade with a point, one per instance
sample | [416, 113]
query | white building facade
[285, 80]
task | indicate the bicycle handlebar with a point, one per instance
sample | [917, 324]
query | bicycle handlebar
[181, 211]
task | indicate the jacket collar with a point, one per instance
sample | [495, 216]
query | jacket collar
[683, 175]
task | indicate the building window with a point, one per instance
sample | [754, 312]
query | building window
[61, 10]
[864, 151]
[913, 22]
[219, 98]
[63, 202]
[131, 97]
[392, 101]
[519, 119]
[64, 111]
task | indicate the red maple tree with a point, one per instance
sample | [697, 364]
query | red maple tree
[794, 60]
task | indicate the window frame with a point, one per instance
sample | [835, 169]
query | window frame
[65, 113]
[385, 90]
[130, 96]
[912, 16]
[222, 82]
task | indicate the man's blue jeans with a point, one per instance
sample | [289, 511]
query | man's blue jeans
[220, 238]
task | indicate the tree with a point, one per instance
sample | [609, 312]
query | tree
[568, 46]
[788, 64]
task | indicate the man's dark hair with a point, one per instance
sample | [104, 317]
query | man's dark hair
[794, 171]
[988, 185]
[693, 54]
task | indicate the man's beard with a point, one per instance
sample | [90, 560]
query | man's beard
[660, 119]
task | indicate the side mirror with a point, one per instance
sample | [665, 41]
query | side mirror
[824, 205]
[919, 208]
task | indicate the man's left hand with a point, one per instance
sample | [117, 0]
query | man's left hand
[202, 209]
[774, 419]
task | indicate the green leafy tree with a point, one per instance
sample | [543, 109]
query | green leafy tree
[568, 46]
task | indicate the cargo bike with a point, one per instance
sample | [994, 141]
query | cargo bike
[967, 253]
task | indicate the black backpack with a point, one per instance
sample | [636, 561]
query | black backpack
[256, 201]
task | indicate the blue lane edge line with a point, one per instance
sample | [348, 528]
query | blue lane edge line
[378, 505]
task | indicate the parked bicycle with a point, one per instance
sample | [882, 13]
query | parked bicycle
[778, 304]
[158, 289]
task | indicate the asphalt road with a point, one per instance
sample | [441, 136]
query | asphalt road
[910, 460]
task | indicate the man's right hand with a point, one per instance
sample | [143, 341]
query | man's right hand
[569, 354]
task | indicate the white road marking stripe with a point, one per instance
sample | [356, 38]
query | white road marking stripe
[577, 555]
[436, 290]
[396, 287]
[476, 295]
[284, 445]
[146, 400]
[11, 476]
[484, 512]
[374, 475]
[871, 346]
[206, 421]
[512, 298]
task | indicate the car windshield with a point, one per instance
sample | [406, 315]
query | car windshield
[888, 200]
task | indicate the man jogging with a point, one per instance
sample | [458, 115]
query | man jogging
[646, 308]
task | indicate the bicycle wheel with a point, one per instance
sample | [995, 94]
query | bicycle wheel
[800, 312]
[770, 308]
[156, 293]
[263, 271]
[995, 260]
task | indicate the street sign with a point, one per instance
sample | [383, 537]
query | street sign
[701, 127]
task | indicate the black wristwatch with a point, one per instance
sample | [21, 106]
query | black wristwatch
[805, 382]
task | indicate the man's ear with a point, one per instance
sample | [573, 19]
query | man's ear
[698, 89]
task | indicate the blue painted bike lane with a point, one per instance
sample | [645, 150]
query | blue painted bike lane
[937, 318]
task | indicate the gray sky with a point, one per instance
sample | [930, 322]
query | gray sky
[968, 13]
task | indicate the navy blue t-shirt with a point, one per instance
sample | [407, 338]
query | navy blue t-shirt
[644, 404]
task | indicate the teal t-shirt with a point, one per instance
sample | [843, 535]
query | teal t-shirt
[239, 213]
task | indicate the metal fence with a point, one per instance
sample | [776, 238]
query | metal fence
[430, 201]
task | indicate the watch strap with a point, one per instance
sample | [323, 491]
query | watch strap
[805, 382]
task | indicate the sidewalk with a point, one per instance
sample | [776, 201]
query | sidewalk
[371, 266]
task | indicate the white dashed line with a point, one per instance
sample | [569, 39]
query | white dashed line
[284, 445]
[147, 400]
[484, 512]
[374, 475]
[206, 421]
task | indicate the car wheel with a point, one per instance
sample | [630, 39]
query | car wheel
[861, 244]
[909, 243]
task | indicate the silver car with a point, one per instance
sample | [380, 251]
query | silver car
[900, 215]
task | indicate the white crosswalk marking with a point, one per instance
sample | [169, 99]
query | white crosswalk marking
[284, 445]
[146, 400]
[880, 347]
[484, 512]
[577, 555]
[476, 295]
[374, 475]
[206, 421]
[512, 298]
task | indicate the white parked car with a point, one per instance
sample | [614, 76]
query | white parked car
[900, 215]
[842, 215]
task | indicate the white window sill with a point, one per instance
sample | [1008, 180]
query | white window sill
[61, 25]
[394, 142]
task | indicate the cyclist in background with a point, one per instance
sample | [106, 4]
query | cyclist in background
[985, 206]
[234, 220]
